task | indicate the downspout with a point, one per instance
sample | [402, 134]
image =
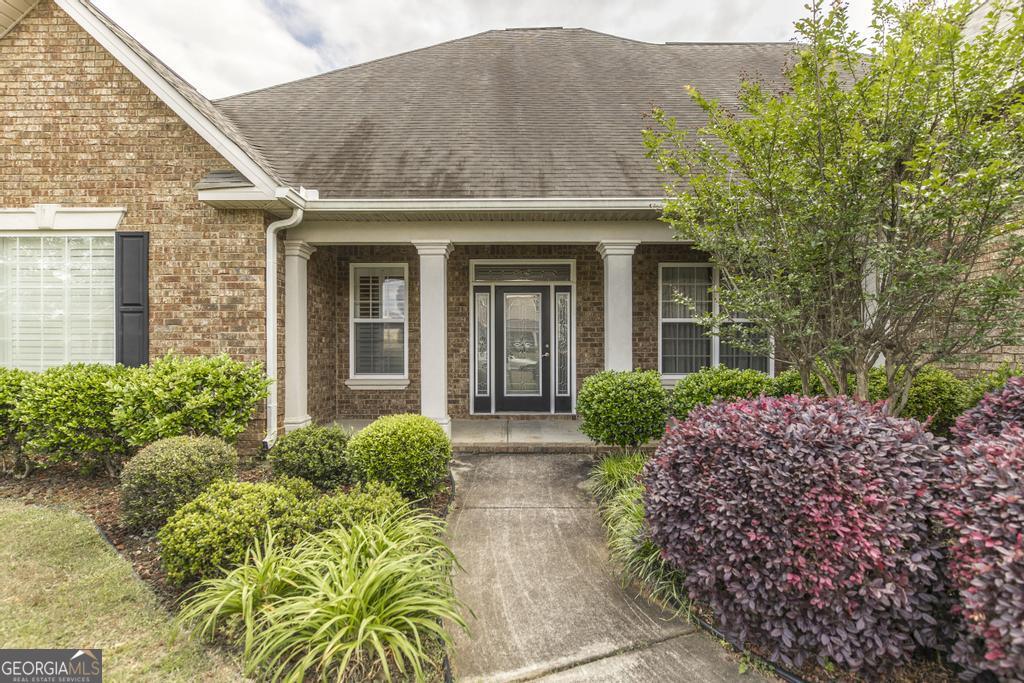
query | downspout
[297, 202]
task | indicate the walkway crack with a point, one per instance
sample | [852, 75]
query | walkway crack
[625, 649]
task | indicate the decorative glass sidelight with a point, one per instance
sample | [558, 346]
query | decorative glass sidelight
[522, 344]
[482, 316]
[563, 318]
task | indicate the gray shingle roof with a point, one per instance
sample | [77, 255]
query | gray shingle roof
[514, 113]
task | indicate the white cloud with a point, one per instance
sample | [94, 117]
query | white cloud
[220, 46]
[228, 46]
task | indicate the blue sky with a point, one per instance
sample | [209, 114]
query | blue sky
[228, 46]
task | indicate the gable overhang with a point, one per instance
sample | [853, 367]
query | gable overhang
[13, 11]
[167, 93]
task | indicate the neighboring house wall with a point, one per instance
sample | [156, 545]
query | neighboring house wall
[83, 131]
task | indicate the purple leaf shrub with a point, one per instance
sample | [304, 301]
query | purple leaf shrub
[996, 411]
[803, 523]
[985, 512]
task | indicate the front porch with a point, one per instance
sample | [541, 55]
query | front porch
[511, 435]
[491, 337]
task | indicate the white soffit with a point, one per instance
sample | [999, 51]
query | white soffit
[56, 217]
[12, 11]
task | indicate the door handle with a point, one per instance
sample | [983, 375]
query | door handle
[545, 355]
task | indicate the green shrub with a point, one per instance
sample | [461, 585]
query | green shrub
[195, 396]
[168, 473]
[352, 603]
[362, 502]
[615, 473]
[316, 453]
[788, 383]
[11, 458]
[411, 452]
[934, 393]
[297, 486]
[214, 531]
[65, 415]
[712, 384]
[622, 408]
[984, 383]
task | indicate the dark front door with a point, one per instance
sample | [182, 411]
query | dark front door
[522, 348]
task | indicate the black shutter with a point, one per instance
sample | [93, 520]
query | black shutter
[131, 284]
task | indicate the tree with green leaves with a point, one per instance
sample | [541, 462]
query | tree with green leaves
[867, 211]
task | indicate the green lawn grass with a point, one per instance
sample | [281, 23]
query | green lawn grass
[62, 585]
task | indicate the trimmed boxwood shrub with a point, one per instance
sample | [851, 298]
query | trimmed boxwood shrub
[995, 412]
[168, 473]
[804, 525]
[713, 384]
[316, 453]
[362, 502]
[65, 415]
[985, 512]
[214, 531]
[622, 408]
[194, 395]
[411, 452]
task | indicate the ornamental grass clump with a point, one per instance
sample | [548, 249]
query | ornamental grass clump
[804, 524]
[622, 408]
[995, 412]
[360, 603]
[984, 510]
[615, 473]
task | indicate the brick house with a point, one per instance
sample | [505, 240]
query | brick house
[465, 230]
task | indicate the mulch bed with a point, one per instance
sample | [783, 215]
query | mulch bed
[98, 497]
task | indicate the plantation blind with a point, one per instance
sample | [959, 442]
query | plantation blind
[56, 300]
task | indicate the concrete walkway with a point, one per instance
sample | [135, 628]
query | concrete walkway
[547, 604]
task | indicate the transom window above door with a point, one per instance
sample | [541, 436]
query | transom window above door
[688, 292]
[379, 330]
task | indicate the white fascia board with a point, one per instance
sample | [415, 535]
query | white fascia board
[57, 217]
[168, 94]
[510, 204]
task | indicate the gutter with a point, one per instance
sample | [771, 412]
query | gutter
[296, 200]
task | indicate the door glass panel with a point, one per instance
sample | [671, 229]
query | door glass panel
[522, 344]
[483, 338]
[562, 319]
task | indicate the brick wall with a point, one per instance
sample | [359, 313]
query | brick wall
[80, 130]
[323, 333]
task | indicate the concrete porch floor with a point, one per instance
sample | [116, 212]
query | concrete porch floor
[505, 435]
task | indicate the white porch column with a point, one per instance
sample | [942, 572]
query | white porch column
[434, 331]
[296, 320]
[618, 303]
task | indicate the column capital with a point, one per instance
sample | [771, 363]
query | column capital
[617, 248]
[298, 248]
[433, 248]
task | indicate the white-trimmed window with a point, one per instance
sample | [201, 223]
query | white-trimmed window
[379, 340]
[687, 292]
[56, 300]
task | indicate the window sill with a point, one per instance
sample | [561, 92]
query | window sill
[669, 381]
[377, 384]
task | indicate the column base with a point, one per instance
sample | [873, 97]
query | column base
[445, 422]
[293, 423]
